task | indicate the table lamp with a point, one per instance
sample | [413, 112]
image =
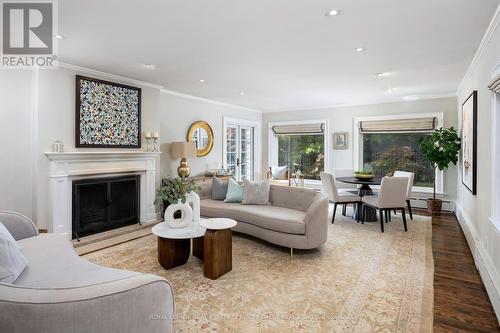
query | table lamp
[183, 150]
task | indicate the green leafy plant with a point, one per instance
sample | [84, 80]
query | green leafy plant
[441, 148]
[363, 172]
[174, 189]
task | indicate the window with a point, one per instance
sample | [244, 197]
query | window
[301, 146]
[387, 152]
[391, 143]
[302, 152]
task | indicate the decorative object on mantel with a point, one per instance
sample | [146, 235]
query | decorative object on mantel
[202, 135]
[469, 142]
[174, 190]
[184, 218]
[441, 148]
[152, 141]
[183, 150]
[57, 146]
[340, 140]
[108, 115]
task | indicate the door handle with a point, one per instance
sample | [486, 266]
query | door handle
[237, 162]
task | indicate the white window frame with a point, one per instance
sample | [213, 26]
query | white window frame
[358, 143]
[257, 167]
[495, 153]
[272, 150]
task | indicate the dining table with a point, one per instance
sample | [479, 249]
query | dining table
[363, 190]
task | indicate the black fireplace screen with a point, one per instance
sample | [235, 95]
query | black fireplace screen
[104, 203]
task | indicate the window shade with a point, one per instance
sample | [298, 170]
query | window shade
[299, 129]
[399, 125]
[495, 85]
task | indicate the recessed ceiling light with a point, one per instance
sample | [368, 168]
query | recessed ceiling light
[242, 93]
[360, 49]
[60, 37]
[390, 90]
[333, 12]
[148, 66]
[382, 74]
[202, 81]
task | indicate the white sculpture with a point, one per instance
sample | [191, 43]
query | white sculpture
[193, 199]
[186, 215]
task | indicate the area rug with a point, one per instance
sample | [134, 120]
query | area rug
[360, 281]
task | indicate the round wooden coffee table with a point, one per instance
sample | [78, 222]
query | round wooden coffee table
[174, 244]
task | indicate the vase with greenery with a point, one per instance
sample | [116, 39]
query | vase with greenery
[441, 148]
[174, 189]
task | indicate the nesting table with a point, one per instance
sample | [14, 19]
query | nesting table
[212, 243]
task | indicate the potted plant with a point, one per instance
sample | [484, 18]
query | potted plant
[174, 189]
[441, 148]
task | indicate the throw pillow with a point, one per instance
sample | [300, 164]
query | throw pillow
[219, 189]
[278, 172]
[12, 261]
[256, 193]
[234, 191]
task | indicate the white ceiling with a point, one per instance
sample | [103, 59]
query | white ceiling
[284, 54]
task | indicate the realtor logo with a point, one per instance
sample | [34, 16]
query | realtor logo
[28, 34]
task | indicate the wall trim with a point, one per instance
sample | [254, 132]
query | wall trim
[206, 100]
[161, 88]
[495, 21]
[482, 260]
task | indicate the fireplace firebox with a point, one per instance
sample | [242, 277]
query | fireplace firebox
[102, 204]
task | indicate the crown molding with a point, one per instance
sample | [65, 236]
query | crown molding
[382, 101]
[149, 85]
[207, 100]
[108, 75]
[482, 46]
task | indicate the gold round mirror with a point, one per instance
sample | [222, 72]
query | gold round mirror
[203, 137]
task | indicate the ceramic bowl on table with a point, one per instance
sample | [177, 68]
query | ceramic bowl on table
[364, 176]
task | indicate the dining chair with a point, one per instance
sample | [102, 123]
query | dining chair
[411, 177]
[344, 198]
[344, 173]
[392, 196]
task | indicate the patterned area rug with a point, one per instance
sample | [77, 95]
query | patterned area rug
[360, 281]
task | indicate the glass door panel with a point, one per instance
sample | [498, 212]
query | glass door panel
[246, 152]
[231, 149]
[239, 159]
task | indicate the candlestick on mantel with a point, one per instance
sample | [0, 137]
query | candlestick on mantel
[156, 135]
[148, 135]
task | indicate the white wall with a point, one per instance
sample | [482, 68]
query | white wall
[16, 133]
[474, 211]
[176, 116]
[38, 107]
[341, 119]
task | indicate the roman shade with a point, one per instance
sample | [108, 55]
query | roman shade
[399, 125]
[299, 129]
[495, 85]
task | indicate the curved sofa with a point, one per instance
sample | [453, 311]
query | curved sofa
[60, 292]
[296, 218]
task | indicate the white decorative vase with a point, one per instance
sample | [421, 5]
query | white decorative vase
[193, 199]
[186, 215]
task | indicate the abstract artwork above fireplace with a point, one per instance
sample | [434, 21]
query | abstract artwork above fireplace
[108, 115]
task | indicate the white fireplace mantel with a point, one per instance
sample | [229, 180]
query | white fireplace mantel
[68, 166]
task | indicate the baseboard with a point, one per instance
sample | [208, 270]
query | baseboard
[482, 260]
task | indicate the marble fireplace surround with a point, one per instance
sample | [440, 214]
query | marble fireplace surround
[69, 166]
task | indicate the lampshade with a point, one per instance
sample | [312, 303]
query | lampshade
[182, 149]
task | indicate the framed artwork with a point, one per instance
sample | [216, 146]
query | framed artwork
[469, 142]
[340, 140]
[108, 115]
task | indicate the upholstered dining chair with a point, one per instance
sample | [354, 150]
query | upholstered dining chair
[392, 196]
[411, 177]
[344, 198]
[344, 186]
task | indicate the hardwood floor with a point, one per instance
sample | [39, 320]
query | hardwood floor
[460, 300]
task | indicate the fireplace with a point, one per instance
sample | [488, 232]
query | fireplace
[101, 204]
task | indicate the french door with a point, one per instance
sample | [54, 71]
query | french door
[239, 150]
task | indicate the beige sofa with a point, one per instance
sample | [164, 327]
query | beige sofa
[297, 217]
[61, 292]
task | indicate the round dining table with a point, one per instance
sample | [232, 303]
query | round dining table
[363, 190]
